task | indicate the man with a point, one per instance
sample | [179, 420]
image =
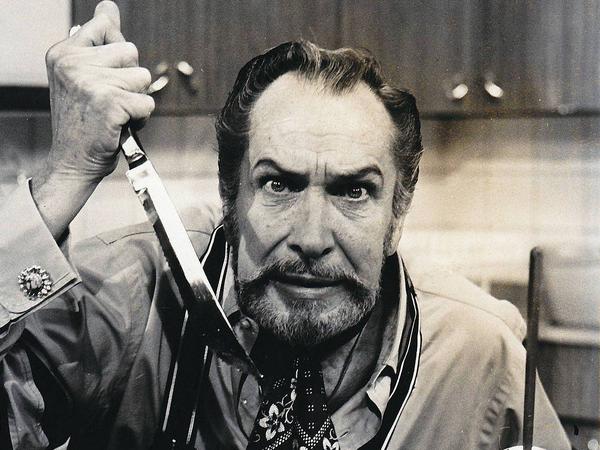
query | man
[318, 159]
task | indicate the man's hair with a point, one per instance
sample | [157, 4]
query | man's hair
[338, 71]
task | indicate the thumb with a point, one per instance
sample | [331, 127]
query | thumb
[111, 10]
[104, 28]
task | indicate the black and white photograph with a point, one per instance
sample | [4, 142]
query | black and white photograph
[300, 225]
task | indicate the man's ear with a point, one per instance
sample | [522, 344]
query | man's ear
[394, 235]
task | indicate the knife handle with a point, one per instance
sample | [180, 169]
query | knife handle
[131, 147]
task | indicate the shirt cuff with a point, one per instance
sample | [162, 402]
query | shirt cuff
[27, 254]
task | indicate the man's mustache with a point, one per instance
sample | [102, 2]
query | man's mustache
[282, 269]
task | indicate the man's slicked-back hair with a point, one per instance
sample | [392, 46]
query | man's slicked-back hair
[336, 70]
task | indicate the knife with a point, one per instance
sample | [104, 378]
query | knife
[198, 297]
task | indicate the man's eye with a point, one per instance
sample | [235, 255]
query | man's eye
[356, 192]
[275, 185]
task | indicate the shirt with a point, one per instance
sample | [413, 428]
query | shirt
[106, 335]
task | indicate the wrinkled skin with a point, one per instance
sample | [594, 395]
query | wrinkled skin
[96, 87]
[314, 209]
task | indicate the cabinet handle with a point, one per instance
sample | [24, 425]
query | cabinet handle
[158, 84]
[185, 68]
[187, 71]
[458, 92]
[163, 79]
[493, 89]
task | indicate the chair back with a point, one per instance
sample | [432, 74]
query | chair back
[570, 285]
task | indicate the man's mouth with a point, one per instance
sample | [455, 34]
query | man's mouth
[306, 280]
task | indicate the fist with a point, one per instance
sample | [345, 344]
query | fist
[96, 87]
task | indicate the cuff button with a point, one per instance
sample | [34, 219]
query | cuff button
[35, 283]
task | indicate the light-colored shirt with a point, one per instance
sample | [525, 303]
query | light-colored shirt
[107, 333]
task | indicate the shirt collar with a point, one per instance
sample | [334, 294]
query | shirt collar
[393, 331]
[380, 384]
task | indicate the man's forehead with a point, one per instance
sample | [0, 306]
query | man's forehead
[295, 109]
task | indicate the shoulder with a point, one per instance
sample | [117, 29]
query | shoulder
[138, 243]
[458, 315]
[453, 294]
[124, 271]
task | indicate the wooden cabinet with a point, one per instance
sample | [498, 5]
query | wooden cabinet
[544, 54]
[514, 57]
[216, 38]
[219, 37]
[425, 48]
[458, 57]
[153, 26]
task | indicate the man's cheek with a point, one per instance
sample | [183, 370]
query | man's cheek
[265, 230]
[245, 263]
[251, 246]
[363, 247]
[369, 265]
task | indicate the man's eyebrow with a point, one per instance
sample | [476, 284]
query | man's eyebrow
[357, 174]
[268, 163]
[343, 175]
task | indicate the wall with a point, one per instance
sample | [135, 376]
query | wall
[490, 189]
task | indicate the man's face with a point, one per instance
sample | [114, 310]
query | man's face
[314, 209]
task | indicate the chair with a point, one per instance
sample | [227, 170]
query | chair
[567, 281]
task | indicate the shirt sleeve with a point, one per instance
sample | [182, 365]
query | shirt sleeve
[27, 243]
[83, 330]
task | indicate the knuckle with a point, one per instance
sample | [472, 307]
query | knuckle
[131, 52]
[53, 55]
[141, 106]
[62, 62]
[103, 99]
[146, 76]
[89, 90]
[151, 104]
[106, 93]
[84, 88]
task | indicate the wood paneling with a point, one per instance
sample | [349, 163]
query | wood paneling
[152, 26]
[424, 48]
[543, 53]
[216, 37]
[220, 37]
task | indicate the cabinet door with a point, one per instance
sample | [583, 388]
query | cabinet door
[216, 38]
[424, 46]
[219, 37]
[543, 54]
[151, 26]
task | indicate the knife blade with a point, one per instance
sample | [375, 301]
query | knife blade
[198, 297]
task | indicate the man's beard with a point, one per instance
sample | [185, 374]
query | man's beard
[304, 323]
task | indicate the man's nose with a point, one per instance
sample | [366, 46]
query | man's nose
[311, 235]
